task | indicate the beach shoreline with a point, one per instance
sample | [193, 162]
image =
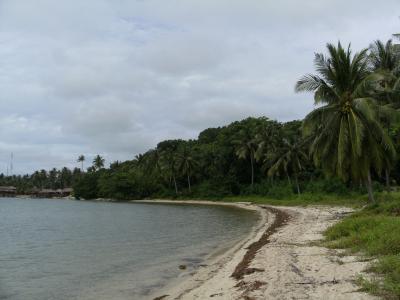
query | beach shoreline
[179, 287]
[288, 264]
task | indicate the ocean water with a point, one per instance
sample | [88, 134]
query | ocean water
[64, 249]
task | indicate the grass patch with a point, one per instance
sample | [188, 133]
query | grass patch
[388, 267]
[374, 231]
[305, 199]
[374, 235]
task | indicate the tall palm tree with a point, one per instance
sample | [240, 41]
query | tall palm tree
[385, 61]
[167, 155]
[141, 161]
[169, 163]
[384, 56]
[154, 161]
[268, 139]
[290, 160]
[186, 163]
[245, 148]
[81, 159]
[348, 138]
[98, 162]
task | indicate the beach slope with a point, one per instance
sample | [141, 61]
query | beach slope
[280, 261]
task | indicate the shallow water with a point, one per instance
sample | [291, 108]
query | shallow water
[63, 249]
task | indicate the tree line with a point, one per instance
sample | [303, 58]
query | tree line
[349, 142]
[52, 179]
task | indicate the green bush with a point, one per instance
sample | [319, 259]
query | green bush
[275, 190]
[211, 189]
[86, 186]
[327, 186]
[280, 191]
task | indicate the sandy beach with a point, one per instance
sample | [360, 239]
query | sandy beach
[278, 260]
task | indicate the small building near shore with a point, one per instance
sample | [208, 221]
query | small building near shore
[8, 191]
[52, 193]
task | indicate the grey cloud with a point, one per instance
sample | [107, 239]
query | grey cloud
[116, 77]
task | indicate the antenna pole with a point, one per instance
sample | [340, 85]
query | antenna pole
[11, 164]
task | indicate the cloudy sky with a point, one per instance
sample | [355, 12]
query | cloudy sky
[114, 77]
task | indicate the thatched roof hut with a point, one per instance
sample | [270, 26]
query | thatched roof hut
[8, 191]
[52, 193]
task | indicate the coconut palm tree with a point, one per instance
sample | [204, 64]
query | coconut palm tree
[245, 148]
[384, 56]
[81, 159]
[168, 159]
[268, 139]
[98, 162]
[186, 163]
[169, 164]
[348, 139]
[154, 161]
[289, 160]
[385, 61]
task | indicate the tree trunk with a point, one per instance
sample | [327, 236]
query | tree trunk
[368, 184]
[252, 170]
[82, 166]
[176, 186]
[297, 185]
[188, 179]
[387, 173]
[288, 178]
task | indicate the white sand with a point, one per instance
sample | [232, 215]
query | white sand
[293, 268]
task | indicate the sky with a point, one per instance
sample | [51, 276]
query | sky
[115, 77]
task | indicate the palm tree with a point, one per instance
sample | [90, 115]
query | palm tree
[154, 161]
[385, 61]
[98, 162]
[53, 176]
[81, 159]
[348, 139]
[289, 159]
[167, 156]
[268, 140]
[384, 57]
[245, 148]
[169, 164]
[186, 163]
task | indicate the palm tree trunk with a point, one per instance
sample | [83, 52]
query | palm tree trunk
[176, 186]
[387, 174]
[297, 185]
[368, 184]
[288, 178]
[82, 166]
[188, 179]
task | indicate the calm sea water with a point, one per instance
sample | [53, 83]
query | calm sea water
[63, 249]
